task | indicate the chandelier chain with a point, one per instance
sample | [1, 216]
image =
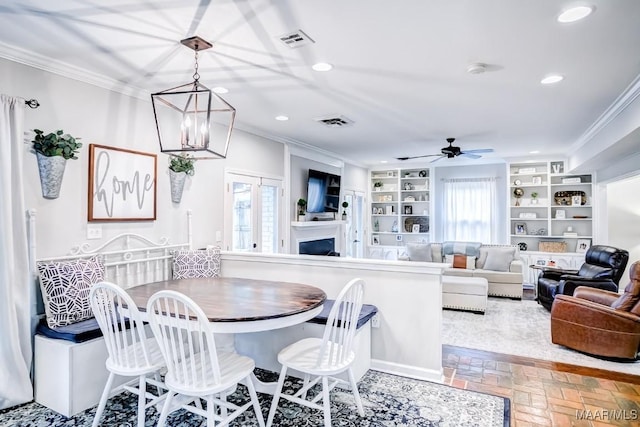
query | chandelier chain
[196, 76]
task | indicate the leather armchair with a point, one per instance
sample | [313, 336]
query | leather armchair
[600, 322]
[602, 269]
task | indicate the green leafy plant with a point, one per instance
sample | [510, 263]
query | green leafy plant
[302, 203]
[56, 144]
[345, 205]
[377, 184]
[182, 163]
[534, 195]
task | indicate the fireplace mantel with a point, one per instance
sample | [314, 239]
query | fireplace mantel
[317, 224]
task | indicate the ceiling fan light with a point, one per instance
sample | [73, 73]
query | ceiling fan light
[575, 14]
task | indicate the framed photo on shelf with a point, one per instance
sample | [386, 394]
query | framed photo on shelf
[582, 245]
[415, 228]
[390, 174]
[557, 167]
[399, 238]
[376, 240]
[521, 228]
[576, 200]
[560, 214]
[408, 210]
[536, 180]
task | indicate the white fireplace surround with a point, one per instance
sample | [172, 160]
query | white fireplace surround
[316, 230]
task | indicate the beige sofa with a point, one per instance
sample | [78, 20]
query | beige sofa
[499, 264]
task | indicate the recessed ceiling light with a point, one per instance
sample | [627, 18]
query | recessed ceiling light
[282, 118]
[322, 66]
[575, 14]
[384, 161]
[552, 78]
[220, 89]
[534, 152]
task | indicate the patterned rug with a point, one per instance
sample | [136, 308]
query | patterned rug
[520, 328]
[388, 400]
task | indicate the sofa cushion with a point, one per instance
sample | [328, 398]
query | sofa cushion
[419, 252]
[65, 287]
[460, 272]
[498, 276]
[499, 258]
[462, 248]
[461, 261]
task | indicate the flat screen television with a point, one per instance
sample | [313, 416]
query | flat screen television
[323, 192]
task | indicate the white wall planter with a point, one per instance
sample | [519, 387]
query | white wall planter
[177, 185]
[51, 171]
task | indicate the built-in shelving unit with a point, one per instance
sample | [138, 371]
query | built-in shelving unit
[549, 207]
[400, 206]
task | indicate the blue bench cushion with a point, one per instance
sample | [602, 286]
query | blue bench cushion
[76, 332]
[366, 313]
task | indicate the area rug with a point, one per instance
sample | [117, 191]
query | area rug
[388, 400]
[520, 328]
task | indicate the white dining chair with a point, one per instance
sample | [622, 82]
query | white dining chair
[324, 357]
[130, 352]
[195, 369]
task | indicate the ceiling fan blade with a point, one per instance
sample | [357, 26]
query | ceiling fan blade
[470, 155]
[417, 157]
[440, 157]
[480, 150]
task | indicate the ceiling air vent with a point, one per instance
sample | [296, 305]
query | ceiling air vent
[296, 39]
[335, 122]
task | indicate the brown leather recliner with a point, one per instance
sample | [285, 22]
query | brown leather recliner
[600, 322]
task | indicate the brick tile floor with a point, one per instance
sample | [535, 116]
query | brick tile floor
[545, 393]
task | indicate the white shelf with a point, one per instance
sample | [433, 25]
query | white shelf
[317, 224]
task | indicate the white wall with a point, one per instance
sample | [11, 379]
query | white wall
[106, 117]
[623, 217]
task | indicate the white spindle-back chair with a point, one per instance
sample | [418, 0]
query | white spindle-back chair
[324, 357]
[131, 353]
[195, 369]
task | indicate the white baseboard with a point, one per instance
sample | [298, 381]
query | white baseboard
[408, 371]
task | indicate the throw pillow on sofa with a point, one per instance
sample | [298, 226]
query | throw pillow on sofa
[461, 248]
[461, 261]
[499, 259]
[65, 287]
[419, 252]
[197, 263]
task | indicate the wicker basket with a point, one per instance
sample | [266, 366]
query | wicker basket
[552, 246]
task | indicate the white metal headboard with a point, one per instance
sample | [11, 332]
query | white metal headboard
[129, 258]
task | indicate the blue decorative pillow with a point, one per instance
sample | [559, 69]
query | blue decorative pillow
[461, 248]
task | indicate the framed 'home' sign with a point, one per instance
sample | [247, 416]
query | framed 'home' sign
[122, 184]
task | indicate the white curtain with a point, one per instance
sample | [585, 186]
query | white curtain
[470, 210]
[15, 280]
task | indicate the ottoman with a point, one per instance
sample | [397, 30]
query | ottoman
[465, 293]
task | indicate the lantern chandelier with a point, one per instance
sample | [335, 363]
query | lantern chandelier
[191, 119]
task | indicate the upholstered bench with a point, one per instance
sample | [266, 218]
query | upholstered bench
[264, 347]
[69, 366]
[465, 293]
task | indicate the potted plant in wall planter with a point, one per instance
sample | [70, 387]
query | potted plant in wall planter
[179, 168]
[52, 151]
[345, 205]
[302, 204]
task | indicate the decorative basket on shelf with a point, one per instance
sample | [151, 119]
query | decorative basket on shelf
[552, 246]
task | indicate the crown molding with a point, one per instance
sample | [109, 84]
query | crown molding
[35, 60]
[622, 102]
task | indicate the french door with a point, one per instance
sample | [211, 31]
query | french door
[253, 214]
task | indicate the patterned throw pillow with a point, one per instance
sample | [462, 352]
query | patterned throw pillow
[65, 287]
[189, 264]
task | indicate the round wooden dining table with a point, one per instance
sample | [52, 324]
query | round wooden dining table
[235, 305]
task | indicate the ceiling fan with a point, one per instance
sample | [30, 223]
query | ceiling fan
[452, 151]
